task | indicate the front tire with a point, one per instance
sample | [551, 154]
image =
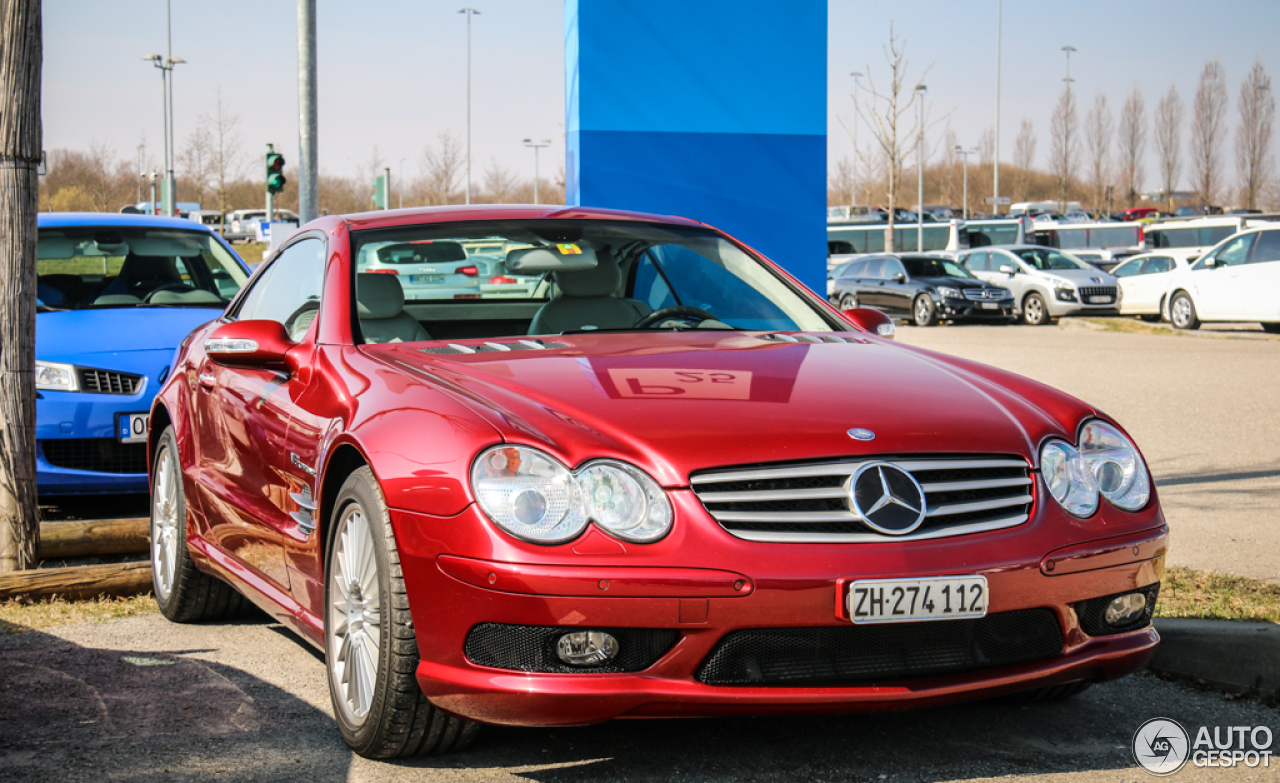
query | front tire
[1151, 319]
[1034, 311]
[923, 311]
[184, 594]
[371, 653]
[1182, 312]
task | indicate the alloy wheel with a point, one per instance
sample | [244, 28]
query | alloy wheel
[355, 615]
[164, 522]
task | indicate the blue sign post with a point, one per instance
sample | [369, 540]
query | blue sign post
[712, 110]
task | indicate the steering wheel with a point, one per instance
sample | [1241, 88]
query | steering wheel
[676, 311]
[169, 287]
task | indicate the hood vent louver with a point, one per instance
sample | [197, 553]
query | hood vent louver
[804, 337]
[454, 349]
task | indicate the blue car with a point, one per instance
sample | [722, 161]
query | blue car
[116, 294]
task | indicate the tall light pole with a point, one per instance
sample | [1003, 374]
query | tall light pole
[166, 65]
[964, 153]
[470, 12]
[1068, 50]
[536, 175]
[308, 116]
[400, 183]
[853, 198]
[921, 91]
[995, 169]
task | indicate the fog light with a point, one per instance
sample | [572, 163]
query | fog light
[586, 648]
[1124, 609]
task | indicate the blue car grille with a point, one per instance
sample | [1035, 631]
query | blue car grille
[100, 455]
[108, 381]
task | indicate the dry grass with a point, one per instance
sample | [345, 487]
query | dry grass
[20, 616]
[1187, 592]
[1134, 326]
[251, 252]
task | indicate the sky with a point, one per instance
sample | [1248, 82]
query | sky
[392, 73]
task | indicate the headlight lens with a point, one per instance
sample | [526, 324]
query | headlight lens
[1116, 466]
[51, 376]
[1065, 294]
[948, 293]
[532, 496]
[1068, 478]
[529, 494]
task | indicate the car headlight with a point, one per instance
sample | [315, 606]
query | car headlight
[1068, 478]
[51, 376]
[947, 292]
[532, 496]
[1117, 467]
[1065, 294]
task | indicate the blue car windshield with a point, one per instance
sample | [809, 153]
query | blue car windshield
[83, 267]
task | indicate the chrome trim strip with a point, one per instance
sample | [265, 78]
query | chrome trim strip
[978, 505]
[303, 499]
[534, 344]
[499, 346]
[849, 468]
[775, 537]
[767, 495]
[786, 517]
[305, 523]
[955, 486]
[462, 348]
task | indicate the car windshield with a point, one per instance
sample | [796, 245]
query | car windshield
[83, 267]
[1044, 258]
[934, 267]
[521, 277]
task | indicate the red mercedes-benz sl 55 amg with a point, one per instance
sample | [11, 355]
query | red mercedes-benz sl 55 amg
[636, 470]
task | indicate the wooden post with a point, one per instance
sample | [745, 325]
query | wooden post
[61, 540]
[20, 142]
[77, 581]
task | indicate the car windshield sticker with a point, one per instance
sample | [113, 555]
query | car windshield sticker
[569, 250]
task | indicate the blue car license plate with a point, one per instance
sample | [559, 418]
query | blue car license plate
[133, 427]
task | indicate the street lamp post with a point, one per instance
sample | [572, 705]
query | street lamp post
[995, 168]
[853, 194]
[166, 64]
[964, 153]
[921, 91]
[1068, 50]
[536, 175]
[470, 12]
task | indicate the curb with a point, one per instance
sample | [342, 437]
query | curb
[1237, 656]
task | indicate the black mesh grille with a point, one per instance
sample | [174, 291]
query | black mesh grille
[1091, 613]
[100, 455]
[855, 654]
[532, 648]
[108, 382]
[1101, 290]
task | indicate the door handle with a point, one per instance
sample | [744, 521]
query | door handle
[206, 380]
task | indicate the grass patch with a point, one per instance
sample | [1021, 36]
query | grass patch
[1133, 326]
[19, 616]
[250, 252]
[1186, 592]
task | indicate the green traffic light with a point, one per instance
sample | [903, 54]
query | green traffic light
[275, 175]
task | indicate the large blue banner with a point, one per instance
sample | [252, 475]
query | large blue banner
[713, 110]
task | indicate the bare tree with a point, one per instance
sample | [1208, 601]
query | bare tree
[227, 159]
[1024, 154]
[441, 167]
[196, 159]
[1168, 141]
[890, 109]
[842, 184]
[20, 143]
[987, 146]
[1098, 129]
[1253, 137]
[1064, 143]
[1208, 129]
[1131, 142]
[499, 183]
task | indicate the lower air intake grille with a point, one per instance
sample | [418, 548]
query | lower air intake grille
[108, 381]
[853, 654]
[532, 648]
[100, 455]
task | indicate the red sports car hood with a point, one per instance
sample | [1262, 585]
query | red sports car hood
[678, 403]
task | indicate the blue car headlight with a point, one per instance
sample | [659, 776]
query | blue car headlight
[51, 376]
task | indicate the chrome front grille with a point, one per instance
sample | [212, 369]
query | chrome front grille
[811, 503]
[1098, 290]
[985, 293]
[109, 381]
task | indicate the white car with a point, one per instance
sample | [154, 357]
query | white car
[1046, 283]
[1238, 280]
[1144, 281]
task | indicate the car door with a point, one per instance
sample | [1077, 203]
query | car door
[1157, 272]
[243, 419]
[1219, 289]
[869, 285]
[1260, 279]
[1129, 275]
[896, 288]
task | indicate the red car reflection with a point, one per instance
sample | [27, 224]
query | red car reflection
[664, 479]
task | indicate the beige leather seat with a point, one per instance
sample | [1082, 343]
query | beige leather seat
[586, 299]
[380, 303]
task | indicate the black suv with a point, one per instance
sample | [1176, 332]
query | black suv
[923, 288]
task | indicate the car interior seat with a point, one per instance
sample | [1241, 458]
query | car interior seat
[586, 300]
[139, 276]
[380, 303]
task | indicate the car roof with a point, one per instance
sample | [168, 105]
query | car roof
[65, 219]
[406, 217]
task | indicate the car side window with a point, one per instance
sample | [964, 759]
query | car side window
[289, 290]
[1156, 264]
[873, 269]
[892, 268]
[1236, 251]
[1267, 249]
[854, 269]
[978, 262]
[1128, 269]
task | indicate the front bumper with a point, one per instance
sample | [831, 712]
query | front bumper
[772, 586]
[76, 447]
[969, 309]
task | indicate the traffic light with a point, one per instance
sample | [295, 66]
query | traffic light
[275, 172]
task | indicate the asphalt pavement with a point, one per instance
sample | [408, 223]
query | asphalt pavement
[1204, 409]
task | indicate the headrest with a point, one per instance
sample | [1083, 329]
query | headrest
[602, 279]
[379, 296]
[556, 258]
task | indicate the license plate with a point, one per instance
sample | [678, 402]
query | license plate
[426, 279]
[133, 427]
[988, 305]
[1099, 300]
[909, 600]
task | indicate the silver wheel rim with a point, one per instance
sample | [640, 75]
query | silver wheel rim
[1034, 311]
[1181, 311]
[355, 615]
[922, 312]
[164, 523]
[849, 303]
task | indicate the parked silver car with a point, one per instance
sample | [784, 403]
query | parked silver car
[241, 224]
[1046, 283]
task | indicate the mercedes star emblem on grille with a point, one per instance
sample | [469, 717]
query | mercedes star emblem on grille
[887, 498]
[857, 433]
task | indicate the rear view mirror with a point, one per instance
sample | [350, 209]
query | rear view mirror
[871, 320]
[1008, 269]
[900, 278]
[1211, 262]
[251, 344]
